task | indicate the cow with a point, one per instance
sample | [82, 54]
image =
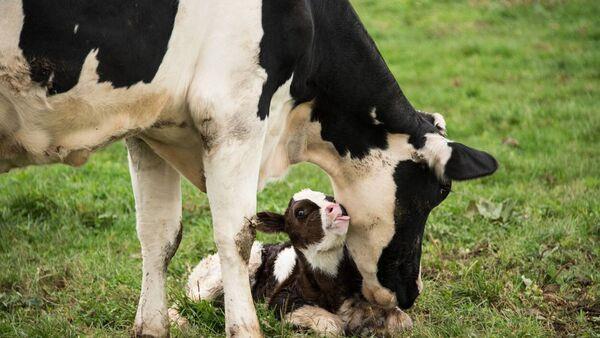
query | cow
[229, 94]
[310, 281]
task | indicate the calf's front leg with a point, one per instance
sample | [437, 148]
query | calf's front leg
[157, 191]
[288, 302]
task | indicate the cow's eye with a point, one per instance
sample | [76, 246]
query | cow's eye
[300, 213]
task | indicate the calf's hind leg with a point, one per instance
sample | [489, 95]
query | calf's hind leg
[157, 191]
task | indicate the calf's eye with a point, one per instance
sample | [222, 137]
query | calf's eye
[300, 213]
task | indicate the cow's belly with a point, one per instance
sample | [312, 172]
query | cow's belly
[176, 140]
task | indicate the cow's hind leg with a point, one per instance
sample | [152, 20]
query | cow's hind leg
[157, 191]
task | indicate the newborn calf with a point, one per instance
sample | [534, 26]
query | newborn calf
[311, 281]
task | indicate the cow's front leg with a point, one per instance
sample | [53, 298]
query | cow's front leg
[157, 191]
[231, 170]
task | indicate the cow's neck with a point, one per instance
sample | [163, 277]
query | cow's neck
[355, 95]
[358, 183]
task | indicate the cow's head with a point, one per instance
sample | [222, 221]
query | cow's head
[389, 193]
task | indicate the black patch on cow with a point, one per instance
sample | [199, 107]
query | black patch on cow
[467, 163]
[287, 32]
[131, 38]
[417, 192]
[337, 65]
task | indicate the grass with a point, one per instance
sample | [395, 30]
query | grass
[519, 78]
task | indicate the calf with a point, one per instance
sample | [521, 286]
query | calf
[312, 281]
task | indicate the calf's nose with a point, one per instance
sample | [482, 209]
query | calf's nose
[333, 209]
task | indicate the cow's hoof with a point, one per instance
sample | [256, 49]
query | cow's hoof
[146, 331]
[243, 331]
[397, 321]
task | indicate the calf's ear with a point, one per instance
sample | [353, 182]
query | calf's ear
[269, 222]
[466, 163]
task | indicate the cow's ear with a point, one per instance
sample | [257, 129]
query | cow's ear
[466, 163]
[269, 222]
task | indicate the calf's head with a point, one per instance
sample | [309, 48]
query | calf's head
[316, 224]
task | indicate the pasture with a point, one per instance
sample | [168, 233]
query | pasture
[513, 254]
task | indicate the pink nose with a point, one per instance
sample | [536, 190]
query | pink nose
[333, 209]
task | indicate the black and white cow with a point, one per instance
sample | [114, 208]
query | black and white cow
[311, 281]
[228, 94]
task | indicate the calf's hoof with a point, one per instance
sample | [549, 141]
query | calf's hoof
[397, 321]
[319, 320]
[329, 327]
[379, 296]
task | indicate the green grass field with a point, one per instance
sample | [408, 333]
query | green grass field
[515, 254]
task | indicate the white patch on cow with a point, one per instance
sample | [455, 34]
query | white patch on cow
[10, 26]
[223, 99]
[284, 264]
[436, 153]
[75, 29]
[275, 161]
[439, 122]
[373, 114]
